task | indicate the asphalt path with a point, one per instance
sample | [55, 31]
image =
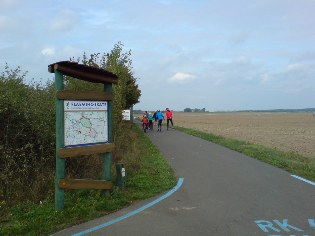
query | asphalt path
[222, 192]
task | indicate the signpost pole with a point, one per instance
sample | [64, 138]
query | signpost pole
[107, 157]
[60, 163]
[131, 115]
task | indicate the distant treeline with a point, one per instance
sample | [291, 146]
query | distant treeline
[194, 110]
[281, 110]
[272, 110]
[185, 110]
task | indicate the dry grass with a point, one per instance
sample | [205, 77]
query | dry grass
[290, 132]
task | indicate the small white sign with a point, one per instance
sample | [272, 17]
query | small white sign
[126, 114]
[85, 105]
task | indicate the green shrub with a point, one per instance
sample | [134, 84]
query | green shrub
[26, 139]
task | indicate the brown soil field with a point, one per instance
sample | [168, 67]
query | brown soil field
[290, 132]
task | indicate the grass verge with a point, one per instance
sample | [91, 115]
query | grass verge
[148, 174]
[292, 162]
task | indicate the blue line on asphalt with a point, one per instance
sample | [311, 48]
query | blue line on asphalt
[173, 190]
[305, 180]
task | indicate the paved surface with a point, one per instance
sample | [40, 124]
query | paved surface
[223, 193]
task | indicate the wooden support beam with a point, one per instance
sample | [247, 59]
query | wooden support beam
[86, 150]
[60, 141]
[87, 95]
[84, 184]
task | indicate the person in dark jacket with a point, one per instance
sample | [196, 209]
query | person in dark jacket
[154, 116]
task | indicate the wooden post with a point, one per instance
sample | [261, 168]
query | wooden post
[60, 163]
[131, 115]
[107, 157]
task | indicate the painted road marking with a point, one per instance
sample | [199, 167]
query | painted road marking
[173, 190]
[305, 180]
[311, 223]
[278, 226]
[282, 227]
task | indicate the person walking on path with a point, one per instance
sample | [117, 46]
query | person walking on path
[150, 117]
[169, 117]
[154, 116]
[145, 122]
[160, 118]
[145, 114]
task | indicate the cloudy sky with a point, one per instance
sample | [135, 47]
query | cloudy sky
[213, 54]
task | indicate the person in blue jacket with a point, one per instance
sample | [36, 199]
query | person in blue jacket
[160, 118]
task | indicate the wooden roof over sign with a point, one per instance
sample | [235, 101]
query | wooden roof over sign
[83, 72]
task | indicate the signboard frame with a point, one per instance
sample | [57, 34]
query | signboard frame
[93, 75]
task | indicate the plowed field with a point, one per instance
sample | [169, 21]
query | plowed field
[291, 132]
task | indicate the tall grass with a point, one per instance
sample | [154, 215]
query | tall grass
[148, 174]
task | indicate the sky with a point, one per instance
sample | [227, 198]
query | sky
[222, 55]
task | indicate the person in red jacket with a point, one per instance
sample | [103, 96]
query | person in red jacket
[145, 122]
[169, 117]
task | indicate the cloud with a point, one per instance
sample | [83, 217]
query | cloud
[181, 77]
[8, 3]
[64, 21]
[5, 22]
[239, 38]
[299, 73]
[97, 17]
[296, 67]
[48, 51]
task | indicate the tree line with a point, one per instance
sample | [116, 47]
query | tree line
[194, 110]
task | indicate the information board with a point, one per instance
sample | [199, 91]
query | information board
[126, 114]
[85, 123]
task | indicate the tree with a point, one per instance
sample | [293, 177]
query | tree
[119, 63]
[126, 91]
[187, 110]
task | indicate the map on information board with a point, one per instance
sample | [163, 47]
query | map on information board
[85, 123]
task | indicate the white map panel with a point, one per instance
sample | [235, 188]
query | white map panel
[85, 123]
